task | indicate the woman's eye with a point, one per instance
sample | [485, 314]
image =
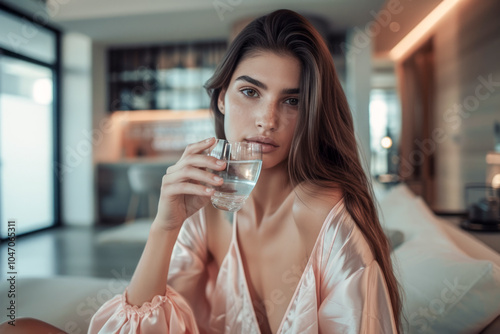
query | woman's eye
[292, 101]
[250, 92]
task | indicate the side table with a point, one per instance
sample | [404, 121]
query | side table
[489, 238]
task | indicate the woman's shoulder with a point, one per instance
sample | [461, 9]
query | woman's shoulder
[313, 200]
[311, 207]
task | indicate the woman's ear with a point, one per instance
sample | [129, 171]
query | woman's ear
[220, 101]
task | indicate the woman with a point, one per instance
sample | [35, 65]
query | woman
[306, 253]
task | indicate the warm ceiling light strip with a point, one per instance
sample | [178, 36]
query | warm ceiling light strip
[415, 36]
[159, 115]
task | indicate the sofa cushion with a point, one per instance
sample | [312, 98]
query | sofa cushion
[395, 237]
[65, 302]
[445, 291]
[401, 210]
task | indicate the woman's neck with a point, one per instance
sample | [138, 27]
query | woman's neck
[270, 192]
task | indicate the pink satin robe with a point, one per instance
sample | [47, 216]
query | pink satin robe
[341, 290]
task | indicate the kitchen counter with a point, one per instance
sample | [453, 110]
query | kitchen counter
[114, 192]
[167, 159]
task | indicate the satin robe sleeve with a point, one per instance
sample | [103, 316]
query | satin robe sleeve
[184, 301]
[355, 298]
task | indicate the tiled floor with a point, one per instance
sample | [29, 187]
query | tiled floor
[71, 251]
[76, 251]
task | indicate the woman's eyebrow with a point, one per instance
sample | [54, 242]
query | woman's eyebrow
[286, 91]
[252, 81]
[290, 91]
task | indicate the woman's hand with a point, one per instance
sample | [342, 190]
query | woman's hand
[182, 189]
[182, 194]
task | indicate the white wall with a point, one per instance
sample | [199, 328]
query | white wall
[77, 140]
[358, 87]
[467, 79]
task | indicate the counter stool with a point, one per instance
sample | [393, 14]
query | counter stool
[145, 182]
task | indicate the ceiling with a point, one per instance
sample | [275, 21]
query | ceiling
[402, 20]
[132, 21]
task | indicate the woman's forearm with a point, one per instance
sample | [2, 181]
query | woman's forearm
[150, 276]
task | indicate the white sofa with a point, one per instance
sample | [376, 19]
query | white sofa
[451, 280]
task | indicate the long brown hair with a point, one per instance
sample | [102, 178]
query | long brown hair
[324, 149]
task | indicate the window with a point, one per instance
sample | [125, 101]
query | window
[385, 128]
[28, 132]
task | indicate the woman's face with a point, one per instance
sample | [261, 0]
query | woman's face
[261, 104]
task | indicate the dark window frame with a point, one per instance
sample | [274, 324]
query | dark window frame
[56, 105]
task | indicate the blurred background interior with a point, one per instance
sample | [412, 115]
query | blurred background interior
[98, 98]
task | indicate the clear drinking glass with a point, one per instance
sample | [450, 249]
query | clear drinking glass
[243, 164]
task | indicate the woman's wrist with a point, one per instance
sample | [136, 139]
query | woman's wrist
[151, 273]
[161, 226]
[165, 234]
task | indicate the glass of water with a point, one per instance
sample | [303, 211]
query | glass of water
[243, 164]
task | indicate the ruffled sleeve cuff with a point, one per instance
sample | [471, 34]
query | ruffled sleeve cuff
[164, 314]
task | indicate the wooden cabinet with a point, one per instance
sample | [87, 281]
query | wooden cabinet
[162, 76]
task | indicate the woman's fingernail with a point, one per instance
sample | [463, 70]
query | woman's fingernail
[220, 162]
[208, 190]
[217, 178]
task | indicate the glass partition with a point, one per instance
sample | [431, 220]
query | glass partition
[28, 114]
[26, 144]
[26, 38]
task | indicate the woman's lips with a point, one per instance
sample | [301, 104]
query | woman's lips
[268, 145]
[267, 148]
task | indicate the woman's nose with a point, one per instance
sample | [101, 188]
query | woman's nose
[267, 119]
